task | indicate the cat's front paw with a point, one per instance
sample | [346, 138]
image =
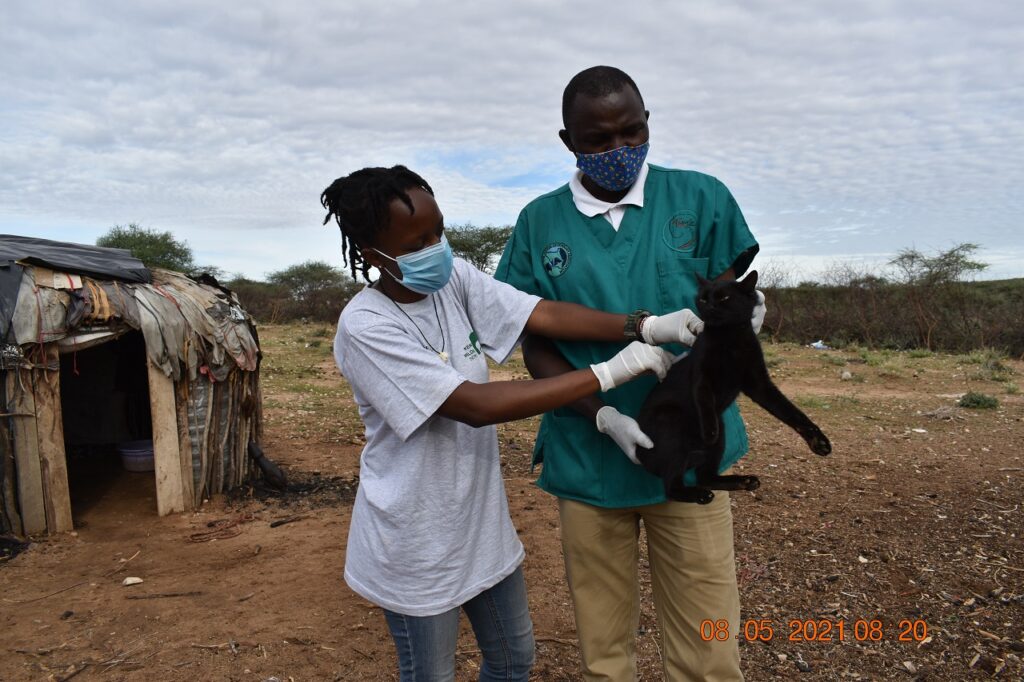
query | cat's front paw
[702, 496]
[698, 495]
[819, 443]
[750, 483]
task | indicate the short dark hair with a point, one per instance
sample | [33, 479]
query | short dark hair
[361, 205]
[596, 81]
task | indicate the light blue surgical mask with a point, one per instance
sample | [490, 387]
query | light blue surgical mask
[424, 271]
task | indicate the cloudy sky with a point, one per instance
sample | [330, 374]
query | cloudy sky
[846, 130]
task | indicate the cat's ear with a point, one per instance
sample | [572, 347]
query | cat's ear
[749, 282]
[702, 281]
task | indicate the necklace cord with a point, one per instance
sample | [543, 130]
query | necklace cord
[436, 316]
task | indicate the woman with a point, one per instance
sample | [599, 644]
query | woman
[431, 533]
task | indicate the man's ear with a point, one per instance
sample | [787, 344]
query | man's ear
[749, 282]
[566, 140]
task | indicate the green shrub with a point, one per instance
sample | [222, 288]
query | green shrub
[812, 402]
[890, 373]
[978, 401]
[992, 366]
[921, 301]
[989, 358]
[873, 359]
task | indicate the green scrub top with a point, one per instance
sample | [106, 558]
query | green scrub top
[689, 225]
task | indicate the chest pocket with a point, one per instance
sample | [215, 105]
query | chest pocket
[677, 280]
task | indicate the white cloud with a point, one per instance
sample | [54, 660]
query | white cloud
[844, 130]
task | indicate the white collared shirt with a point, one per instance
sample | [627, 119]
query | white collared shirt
[590, 206]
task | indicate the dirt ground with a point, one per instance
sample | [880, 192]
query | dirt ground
[909, 537]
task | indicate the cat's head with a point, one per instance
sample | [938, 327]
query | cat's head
[724, 303]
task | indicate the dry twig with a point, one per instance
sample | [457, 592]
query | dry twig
[222, 529]
[26, 601]
[163, 595]
[557, 640]
[120, 568]
[290, 519]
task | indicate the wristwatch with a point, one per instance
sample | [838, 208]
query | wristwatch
[634, 321]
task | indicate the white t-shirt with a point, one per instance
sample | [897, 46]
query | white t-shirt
[430, 525]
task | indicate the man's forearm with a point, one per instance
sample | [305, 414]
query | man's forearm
[543, 360]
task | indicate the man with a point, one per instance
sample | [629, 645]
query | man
[627, 236]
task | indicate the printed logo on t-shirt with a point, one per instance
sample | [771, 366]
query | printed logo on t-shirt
[472, 349]
[680, 232]
[556, 258]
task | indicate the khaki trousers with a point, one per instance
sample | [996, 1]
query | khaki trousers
[693, 576]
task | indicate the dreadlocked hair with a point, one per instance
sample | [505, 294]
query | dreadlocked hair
[361, 205]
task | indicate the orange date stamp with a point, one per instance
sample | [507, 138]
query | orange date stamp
[823, 630]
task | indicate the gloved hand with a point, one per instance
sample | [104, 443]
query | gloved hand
[623, 430]
[631, 362]
[682, 326]
[757, 319]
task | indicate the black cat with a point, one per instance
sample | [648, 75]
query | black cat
[683, 414]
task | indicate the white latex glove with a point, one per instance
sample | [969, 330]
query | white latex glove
[682, 326]
[623, 430]
[757, 319]
[631, 362]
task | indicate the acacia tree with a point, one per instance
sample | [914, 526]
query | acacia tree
[315, 289]
[481, 246]
[946, 267]
[155, 249]
[934, 286]
[306, 279]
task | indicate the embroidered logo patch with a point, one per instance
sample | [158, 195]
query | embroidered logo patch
[556, 259]
[680, 232]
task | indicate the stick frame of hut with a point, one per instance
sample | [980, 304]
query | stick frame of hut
[200, 363]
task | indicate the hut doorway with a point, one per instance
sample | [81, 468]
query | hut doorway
[105, 402]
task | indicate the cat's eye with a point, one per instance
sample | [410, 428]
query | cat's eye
[724, 298]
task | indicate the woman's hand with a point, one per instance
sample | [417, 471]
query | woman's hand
[631, 362]
[757, 319]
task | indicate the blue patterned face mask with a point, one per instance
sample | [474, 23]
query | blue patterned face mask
[424, 271]
[614, 170]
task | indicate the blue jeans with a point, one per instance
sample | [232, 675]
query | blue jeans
[500, 618]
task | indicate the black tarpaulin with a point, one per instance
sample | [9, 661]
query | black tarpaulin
[82, 259]
[10, 280]
[93, 261]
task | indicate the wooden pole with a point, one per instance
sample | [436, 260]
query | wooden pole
[10, 518]
[184, 441]
[166, 457]
[50, 430]
[22, 405]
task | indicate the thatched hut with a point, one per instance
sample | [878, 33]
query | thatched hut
[95, 350]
